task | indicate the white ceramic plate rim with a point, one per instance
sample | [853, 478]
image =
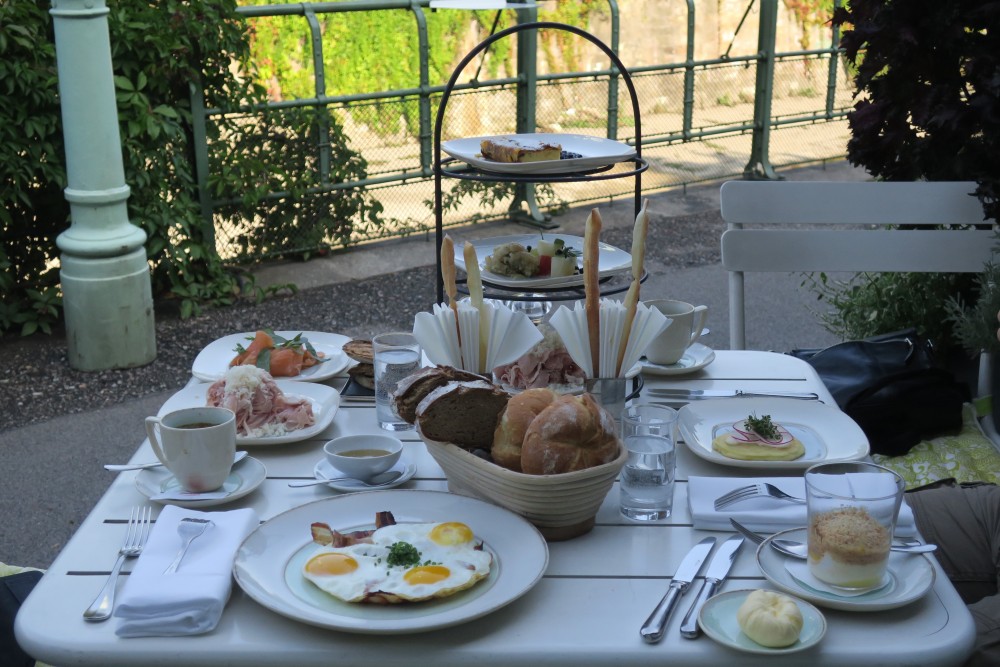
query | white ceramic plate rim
[913, 572]
[610, 260]
[324, 470]
[696, 357]
[252, 473]
[325, 403]
[841, 438]
[263, 557]
[595, 152]
[213, 361]
[813, 624]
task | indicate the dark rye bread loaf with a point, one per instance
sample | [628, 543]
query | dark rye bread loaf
[462, 413]
[413, 389]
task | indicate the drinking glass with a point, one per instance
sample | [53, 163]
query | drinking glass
[397, 355]
[852, 510]
[647, 480]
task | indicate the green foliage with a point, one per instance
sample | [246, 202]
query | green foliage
[492, 194]
[876, 303]
[975, 325]
[927, 90]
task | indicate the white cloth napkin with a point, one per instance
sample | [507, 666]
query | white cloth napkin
[510, 335]
[189, 601]
[763, 514]
[572, 327]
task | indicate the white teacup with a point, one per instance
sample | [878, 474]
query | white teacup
[669, 346]
[196, 444]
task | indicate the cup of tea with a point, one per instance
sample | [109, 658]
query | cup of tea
[197, 445]
[686, 324]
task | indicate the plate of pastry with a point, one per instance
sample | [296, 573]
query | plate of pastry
[538, 153]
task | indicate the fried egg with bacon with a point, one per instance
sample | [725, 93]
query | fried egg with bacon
[406, 562]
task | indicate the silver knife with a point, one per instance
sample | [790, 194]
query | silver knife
[696, 394]
[652, 630]
[714, 576]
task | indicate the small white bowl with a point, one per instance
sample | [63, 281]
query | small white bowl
[365, 462]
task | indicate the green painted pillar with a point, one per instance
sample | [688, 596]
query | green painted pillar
[107, 297]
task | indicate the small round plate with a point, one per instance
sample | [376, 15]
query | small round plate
[694, 359]
[718, 620]
[325, 470]
[912, 577]
[244, 478]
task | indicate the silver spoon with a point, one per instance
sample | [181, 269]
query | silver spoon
[381, 479]
[189, 528]
[114, 467]
[800, 550]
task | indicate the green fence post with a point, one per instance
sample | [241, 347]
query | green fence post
[759, 167]
[107, 292]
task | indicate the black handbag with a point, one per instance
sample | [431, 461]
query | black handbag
[14, 589]
[891, 387]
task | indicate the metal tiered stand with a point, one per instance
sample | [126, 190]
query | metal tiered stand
[536, 301]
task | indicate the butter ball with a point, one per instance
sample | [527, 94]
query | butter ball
[770, 619]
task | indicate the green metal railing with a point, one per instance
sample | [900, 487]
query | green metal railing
[704, 139]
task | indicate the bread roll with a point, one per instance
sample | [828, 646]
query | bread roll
[521, 410]
[573, 433]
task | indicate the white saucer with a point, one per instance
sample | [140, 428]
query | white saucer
[718, 620]
[912, 577]
[694, 359]
[245, 476]
[324, 470]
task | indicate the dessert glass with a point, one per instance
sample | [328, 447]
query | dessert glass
[852, 509]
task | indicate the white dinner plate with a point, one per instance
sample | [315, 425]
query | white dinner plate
[912, 576]
[325, 402]
[827, 433]
[325, 470]
[717, 619]
[696, 357]
[611, 260]
[213, 361]
[244, 478]
[595, 152]
[269, 563]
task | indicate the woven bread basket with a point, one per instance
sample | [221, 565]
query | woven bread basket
[561, 506]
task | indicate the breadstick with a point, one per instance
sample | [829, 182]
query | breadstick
[448, 277]
[639, 232]
[475, 285]
[591, 288]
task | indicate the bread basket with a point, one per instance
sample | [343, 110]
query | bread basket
[561, 506]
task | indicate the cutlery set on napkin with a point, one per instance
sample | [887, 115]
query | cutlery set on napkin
[189, 599]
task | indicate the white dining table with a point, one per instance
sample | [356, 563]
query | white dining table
[597, 589]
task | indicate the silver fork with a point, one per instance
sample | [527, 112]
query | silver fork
[753, 491]
[135, 539]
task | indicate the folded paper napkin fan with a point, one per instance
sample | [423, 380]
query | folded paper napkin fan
[189, 601]
[572, 328]
[510, 335]
[764, 514]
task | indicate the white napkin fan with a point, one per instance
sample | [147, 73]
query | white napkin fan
[572, 327]
[510, 335]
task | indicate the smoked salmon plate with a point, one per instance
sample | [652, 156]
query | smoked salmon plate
[303, 356]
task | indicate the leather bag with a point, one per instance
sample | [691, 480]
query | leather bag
[891, 387]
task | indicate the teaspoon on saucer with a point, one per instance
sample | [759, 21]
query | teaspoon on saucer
[381, 479]
[114, 467]
[799, 549]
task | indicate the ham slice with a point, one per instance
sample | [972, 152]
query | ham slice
[261, 408]
[547, 363]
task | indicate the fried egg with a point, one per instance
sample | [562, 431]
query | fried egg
[448, 559]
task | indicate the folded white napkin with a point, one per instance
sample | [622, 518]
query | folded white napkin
[190, 600]
[510, 335]
[572, 327]
[764, 514]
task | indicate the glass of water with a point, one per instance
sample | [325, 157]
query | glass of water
[397, 355]
[647, 480]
